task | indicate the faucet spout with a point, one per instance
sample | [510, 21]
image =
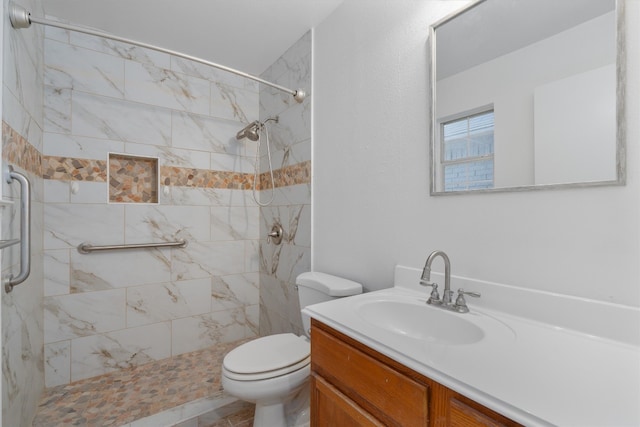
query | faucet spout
[426, 274]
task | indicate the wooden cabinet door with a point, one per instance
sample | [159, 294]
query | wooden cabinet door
[330, 408]
[378, 387]
[463, 415]
[456, 410]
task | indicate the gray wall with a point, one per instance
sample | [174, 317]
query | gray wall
[372, 207]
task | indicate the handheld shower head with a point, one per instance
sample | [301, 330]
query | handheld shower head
[250, 131]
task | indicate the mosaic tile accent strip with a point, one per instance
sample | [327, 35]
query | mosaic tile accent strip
[70, 169]
[124, 396]
[203, 178]
[18, 151]
[289, 175]
[133, 179]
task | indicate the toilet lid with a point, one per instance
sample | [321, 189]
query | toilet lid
[270, 353]
[303, 365]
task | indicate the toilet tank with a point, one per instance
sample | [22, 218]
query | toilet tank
[314, 287]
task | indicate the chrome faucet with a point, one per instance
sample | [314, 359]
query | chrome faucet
[460, 305]
[426, 279]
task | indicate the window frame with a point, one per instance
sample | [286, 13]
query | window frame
[466, 160]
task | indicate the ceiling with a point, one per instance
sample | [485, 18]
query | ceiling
[248, 35]
[496, 27]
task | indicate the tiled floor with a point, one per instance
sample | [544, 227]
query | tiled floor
[121, 397]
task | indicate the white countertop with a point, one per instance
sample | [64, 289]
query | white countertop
[535, 373]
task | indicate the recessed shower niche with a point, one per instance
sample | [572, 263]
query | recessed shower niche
[132, 179]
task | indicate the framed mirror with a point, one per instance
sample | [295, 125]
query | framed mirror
[526, 95]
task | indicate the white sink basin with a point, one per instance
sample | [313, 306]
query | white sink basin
[420, 321]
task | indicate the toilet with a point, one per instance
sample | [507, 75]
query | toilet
[270, 370]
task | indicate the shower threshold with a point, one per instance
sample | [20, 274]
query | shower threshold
[216, 411]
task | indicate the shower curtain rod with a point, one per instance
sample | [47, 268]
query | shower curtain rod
[21, 18]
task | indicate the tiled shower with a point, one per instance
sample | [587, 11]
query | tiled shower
[133, 146]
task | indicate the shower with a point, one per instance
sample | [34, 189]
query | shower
[252, 133]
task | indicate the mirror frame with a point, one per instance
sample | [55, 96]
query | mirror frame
[621, 126]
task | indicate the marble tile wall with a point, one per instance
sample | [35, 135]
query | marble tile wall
[112, 310]
[22, 130]
[290, 140]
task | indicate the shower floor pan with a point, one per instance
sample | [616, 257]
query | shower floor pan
[182, 391]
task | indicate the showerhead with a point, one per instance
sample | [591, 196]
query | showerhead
[250, 131]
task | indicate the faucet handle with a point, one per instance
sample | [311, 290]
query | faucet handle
[434, 298]
[461, 303]
[462, 292]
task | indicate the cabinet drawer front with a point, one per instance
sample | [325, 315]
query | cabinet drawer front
[335, 409]
[389, 395]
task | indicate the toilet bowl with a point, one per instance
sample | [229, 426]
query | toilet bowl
[269, 371]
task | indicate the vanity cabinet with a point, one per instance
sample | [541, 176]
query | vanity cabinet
[353, 385]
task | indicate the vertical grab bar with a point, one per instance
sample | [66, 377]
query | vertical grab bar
[25, 229]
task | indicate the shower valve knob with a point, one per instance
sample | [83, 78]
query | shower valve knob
[276, 234]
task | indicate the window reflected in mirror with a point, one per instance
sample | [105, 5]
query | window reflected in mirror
[467, 148]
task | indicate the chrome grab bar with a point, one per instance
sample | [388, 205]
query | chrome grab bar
[25, 230]
[86, 248]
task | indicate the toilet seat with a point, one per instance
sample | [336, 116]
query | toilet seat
[267, 357]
